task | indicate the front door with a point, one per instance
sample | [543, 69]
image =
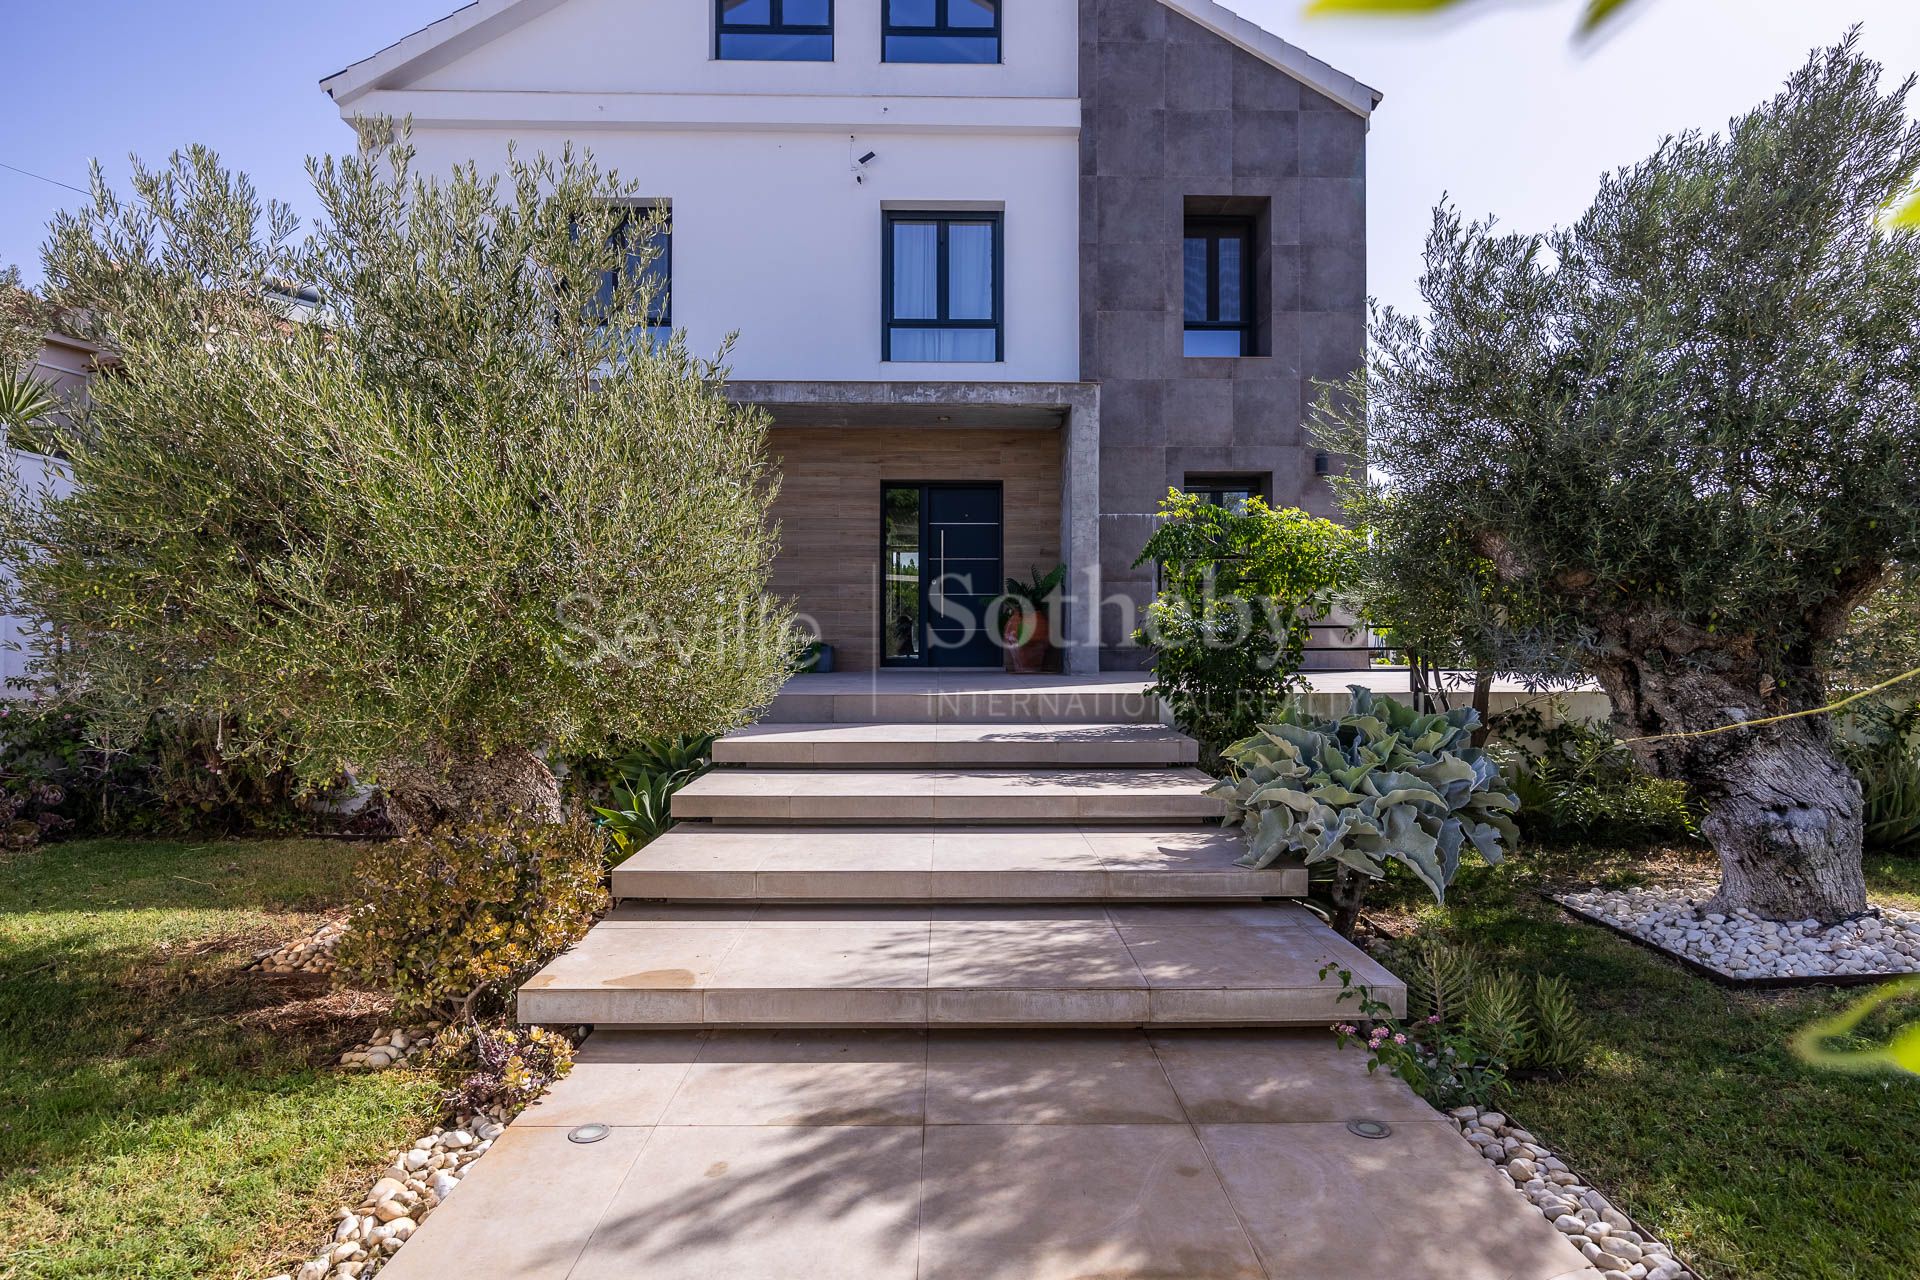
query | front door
[941, 572]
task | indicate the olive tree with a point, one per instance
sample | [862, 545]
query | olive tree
[416, 494]
[1672, 447]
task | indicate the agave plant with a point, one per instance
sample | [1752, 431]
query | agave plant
[1382, 782]
[23, 398]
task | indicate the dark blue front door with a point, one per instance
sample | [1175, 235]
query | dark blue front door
[941, 573]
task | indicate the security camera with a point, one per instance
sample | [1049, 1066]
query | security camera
[870, 157]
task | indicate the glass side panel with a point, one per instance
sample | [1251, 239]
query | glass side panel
[900, 572]
[969, 271]
[1213, 342]
[972, 13]
[912, 13]
[1232, 272]
[1194, 260]
[984, 48]
[956, 345]
[759, 46]
[916, 271]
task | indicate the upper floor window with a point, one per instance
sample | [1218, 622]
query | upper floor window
[649, 245]
[941, 30]
[1219, 286]
[775, 30]
[942, 282]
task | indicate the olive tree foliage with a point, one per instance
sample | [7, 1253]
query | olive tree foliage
[436, 516]
[1672, 447]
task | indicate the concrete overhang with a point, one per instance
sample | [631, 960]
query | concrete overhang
[1041, 406]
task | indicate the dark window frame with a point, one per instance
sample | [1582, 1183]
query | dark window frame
[1214, 229]
[944, 218]
[663, 265]
[943, 26]
[776, 26]
[1214, 486]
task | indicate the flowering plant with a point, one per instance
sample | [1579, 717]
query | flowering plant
[1440, 1060]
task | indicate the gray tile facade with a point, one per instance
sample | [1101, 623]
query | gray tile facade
[1174, 113]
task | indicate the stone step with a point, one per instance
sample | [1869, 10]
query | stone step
[696, 862]
[975, 797]
[981, 746]
[963, 698]
[954, 966]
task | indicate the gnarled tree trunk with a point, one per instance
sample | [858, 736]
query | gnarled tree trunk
[1783, 812]
[450, 788]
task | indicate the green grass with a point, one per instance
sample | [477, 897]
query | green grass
[1695, 1116]
[164, 1114]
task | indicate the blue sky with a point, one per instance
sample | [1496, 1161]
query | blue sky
[1500, 108]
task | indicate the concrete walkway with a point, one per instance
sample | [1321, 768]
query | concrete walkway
[951, 977]
[1198, 1155]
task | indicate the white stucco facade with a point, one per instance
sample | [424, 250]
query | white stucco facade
[777, 229]
[773, 238]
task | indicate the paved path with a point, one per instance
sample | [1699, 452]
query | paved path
[1193, 1155]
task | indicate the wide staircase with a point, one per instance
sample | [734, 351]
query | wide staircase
[951, 978]
[980, 852]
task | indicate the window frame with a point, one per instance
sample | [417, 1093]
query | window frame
[943, 26]
[639, 212]
[1214, 228]
[1213, 486]
[944, 218]
[776, 12]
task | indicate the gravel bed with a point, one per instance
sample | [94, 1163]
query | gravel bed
[1741, 945]
[1616, 1247]
[392, 1048]
[415, 1182]
[311, 954]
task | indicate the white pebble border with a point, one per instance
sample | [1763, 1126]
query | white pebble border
[311, 954]
[416, 1180]
[1744, 946]
[1616, 1248]
[392, 1048]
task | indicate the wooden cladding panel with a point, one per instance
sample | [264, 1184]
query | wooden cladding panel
[829, 513]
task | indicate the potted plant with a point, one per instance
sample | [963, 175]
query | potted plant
[1024, 632]
[815, 659]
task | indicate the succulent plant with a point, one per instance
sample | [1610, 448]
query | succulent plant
[1382, 782]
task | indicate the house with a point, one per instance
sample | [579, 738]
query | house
[1002, 271]
[66, 364]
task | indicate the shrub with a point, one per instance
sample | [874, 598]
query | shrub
[1240, 589]
[1583, 784]
[1882, 747]
[1378, 785]
[1468, 1025]
[453, 919]
[60, 773]
[505, 1068]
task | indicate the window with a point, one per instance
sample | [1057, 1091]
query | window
[941, 278]
[651, 244]
[775, 30]
[1231, 492]
[1219, 286]
[940, 30]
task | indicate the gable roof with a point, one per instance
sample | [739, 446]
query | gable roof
[464, 30]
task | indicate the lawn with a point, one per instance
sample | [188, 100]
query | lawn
[1696, 1117]
[163, 1113]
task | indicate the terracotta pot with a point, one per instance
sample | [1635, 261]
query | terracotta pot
[1028, 658]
